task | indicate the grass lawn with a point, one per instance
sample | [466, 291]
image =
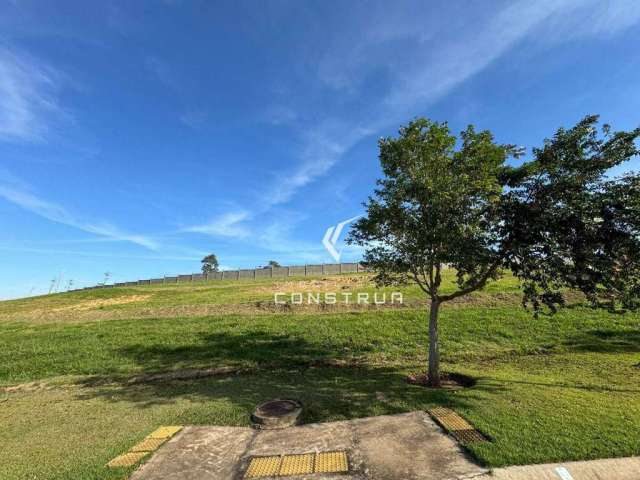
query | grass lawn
[556, 388]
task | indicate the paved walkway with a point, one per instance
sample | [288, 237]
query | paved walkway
[409, 446]
[607, 469]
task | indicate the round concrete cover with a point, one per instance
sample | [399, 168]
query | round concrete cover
[279, 413]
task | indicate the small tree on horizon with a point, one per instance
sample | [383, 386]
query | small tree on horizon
[272, 264]
[209, 264]
[556, 222]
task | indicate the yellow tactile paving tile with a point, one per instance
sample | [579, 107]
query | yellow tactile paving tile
[127, 459]
[469, 436]
[331, 462]
[450, 419]
[148, 445]
[455, 422]
[296, 464]
[165, 432]
[441, 412]
[263, 467]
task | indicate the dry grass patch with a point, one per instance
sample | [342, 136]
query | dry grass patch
[90, 308]
[259, 307]
[99, 303]
[26, 387]
[330, 284]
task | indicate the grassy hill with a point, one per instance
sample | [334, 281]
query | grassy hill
[85, 375]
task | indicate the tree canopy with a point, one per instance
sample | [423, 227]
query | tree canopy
[557, 221]
[209, 264]
[568, 224]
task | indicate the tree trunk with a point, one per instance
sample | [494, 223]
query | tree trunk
[434, 352]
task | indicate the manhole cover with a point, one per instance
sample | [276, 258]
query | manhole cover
[279, 413]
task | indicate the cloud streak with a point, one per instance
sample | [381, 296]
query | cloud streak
[433, 71]
[59, 214]
[421, 61]
[80, 253]
[272, 235]
[226, 225]
[28, 97]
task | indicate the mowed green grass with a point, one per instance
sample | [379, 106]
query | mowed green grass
[557, 388]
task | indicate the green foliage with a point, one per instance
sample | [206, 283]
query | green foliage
[436, 206]
[568, 225]
[209, 264]
[556, 222]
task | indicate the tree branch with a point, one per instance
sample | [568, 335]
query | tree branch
[420, 283]
[477, 285]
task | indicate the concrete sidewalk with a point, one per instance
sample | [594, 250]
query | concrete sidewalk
[607, 469]
[407, 446]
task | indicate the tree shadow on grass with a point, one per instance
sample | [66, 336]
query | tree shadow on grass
[605, 341]
[246, 348]
[275, 366]
[570, 386]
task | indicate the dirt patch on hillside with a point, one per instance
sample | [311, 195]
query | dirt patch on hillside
[83, 310]
[204, 310]
[329, 284]
[26, 387]
[102, 302]
[91, 310]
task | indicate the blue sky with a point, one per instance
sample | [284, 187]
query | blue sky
[136, 137]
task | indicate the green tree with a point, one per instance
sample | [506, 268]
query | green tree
[556, 222]
[272, 264]
[209, 264]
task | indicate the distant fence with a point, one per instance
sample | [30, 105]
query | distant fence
[271, 272]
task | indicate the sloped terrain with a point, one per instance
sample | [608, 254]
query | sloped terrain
[87, 374]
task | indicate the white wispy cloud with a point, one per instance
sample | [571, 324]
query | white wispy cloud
[56, 213]
[81, 253]
[193, 118]
[229, 224]
[271, 234]
[28, 96]
[162, 71]
[441, 70]
[431, 69]
[421, 60]
[323, 147]
[276, 235]
[280, 115]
